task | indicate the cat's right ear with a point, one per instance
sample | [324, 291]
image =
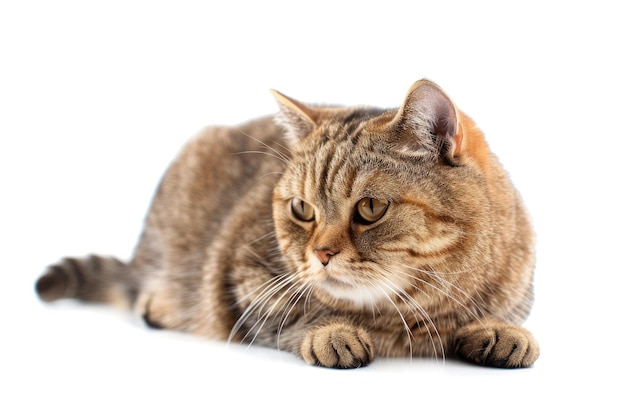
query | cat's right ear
[297, 118]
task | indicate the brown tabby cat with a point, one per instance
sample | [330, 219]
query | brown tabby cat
[335, 234]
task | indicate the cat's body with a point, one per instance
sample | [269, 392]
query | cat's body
[343, 233]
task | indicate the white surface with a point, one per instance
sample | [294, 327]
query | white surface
[96, 100]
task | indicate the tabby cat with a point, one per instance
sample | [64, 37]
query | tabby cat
[335, 233]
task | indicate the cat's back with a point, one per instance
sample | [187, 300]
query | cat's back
[209, 178]
[238, 149]
[224, 160]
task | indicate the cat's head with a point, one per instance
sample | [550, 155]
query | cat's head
[377, 203]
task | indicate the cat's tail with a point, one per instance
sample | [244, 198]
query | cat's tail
[94, 278]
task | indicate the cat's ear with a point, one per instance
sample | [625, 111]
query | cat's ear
[428, 119]
[297, 118]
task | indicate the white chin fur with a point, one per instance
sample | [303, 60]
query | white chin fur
[335, 282]
[347, 290]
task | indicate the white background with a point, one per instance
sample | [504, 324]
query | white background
[96, 98]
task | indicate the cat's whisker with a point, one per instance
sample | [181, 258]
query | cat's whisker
[276, 280]
[307, 300]
[293, 300]
[258, 325]
[264, 293]
[416, 308]
[374, 305]
[293, 293]
[476, 312]
[406, 326]
[262, 237]
[443, 288]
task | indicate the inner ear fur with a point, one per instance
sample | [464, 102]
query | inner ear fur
[431, 120]
[297, 118]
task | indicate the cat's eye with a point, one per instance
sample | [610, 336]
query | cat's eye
[302, 210]
[370, 210]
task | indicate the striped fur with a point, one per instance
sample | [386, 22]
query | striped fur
[410, 239]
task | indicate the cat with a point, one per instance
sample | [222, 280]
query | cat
[335, 233]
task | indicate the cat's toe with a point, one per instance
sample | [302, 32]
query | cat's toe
[501, 345]
[337, 345]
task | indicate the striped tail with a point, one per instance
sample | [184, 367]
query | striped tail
[94, 278]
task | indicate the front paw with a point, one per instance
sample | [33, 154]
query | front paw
[337, 345]
[498, 344]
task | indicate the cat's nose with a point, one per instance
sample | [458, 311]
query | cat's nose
[324, 254]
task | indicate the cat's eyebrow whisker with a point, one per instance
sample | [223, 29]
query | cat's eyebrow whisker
[267, 174]
[284, 147]
[278, 154]
[279, 157]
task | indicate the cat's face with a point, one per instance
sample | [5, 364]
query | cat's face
[362, 217]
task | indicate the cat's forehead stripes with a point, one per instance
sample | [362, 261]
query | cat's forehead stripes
[328, 172]
[353, 123]
[341, 157]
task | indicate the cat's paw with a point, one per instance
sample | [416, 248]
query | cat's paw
[498, 344]
[337, 345]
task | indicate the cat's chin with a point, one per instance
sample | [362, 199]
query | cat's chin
[339, 284]
[339, 288]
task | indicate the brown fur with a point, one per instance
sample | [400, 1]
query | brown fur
[444, 268]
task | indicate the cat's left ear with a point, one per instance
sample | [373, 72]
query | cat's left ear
[297, 118]
[430, 119]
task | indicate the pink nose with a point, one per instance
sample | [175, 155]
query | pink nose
[324, 254]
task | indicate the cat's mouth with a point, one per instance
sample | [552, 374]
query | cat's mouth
[333, 276]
